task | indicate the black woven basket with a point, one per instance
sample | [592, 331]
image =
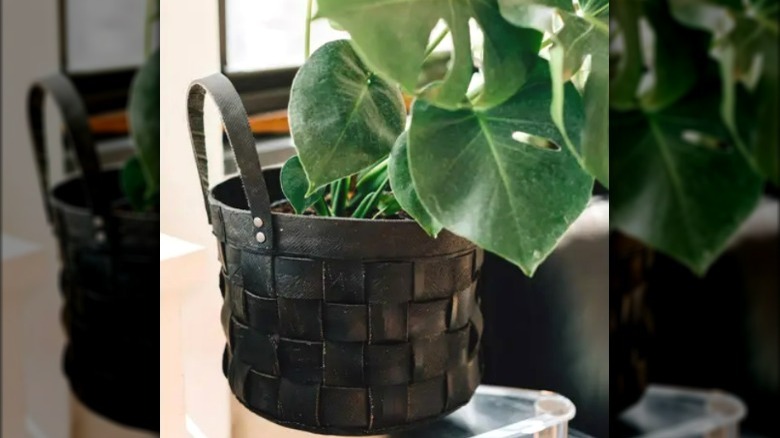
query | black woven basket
[335, 325]
[109, 277]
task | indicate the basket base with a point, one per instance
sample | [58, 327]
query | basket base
[323, 430]
[111, 404]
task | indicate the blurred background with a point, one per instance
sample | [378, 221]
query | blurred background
[98, 46]
[694, 247]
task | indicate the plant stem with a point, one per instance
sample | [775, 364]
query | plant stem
[338, 196]
[321, 208]
[374, 172]
[380, 212]
[435, 43]
[307, 47]
[371, 201]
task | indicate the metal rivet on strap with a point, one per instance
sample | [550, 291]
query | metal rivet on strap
[97, 221]
[260, 237]
[100, 237]
[258, 222]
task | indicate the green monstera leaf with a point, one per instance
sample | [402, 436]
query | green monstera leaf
[343, 117]
[393, 36]
[575, 36]
[295, 185]
[745, 44]
[680, 191]
[671, 68]
[626, 62]
[403, 187]
[497, 176]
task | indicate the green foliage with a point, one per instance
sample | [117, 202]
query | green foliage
[353, 196]
[133, 184]
[295, 185]
[745, 45]
[677, 192]
[405, 194]
[512, 198]
[393, 39]
[689, 175]
[343, 118]
[499, 145]
[575, 38]
[141, 176]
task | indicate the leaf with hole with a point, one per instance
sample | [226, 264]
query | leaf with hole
[295, 185]
[745, 44]
[343, 118]
[510, 198]
[575, 38]
[405, 193]
[679, 191]
[392, 36]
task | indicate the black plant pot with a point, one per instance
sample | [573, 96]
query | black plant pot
[109, 277]
[336, 326]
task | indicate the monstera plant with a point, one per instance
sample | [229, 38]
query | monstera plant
[693, 117]
[502, 148]
[140, 176]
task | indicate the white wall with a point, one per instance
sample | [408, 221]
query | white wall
[189, 47]
[29, 51]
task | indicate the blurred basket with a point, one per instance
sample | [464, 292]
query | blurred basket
[109, 277]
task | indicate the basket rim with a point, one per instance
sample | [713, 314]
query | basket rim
[231, 178]
[60, 204]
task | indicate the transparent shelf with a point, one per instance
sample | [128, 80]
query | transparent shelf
[493, 412]
[666, 411]
[497, 412]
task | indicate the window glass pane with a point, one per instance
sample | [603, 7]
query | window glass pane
[269, 34]
[104, 34]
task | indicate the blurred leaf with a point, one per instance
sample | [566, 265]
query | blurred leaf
[684, 198]
[343, 118]
[133, 184]
[745, 44]
[392, 37]
[669, 57]
[628, 65]
[576, 37]
[144, 113]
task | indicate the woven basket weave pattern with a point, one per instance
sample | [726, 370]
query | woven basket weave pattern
[334, 325]
[349, 345]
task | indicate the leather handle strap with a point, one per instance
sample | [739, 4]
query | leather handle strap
[76, 123]
[241, 140]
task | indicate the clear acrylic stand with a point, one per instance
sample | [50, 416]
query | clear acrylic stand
[494, 412]
[497, 412]
[666, 411]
